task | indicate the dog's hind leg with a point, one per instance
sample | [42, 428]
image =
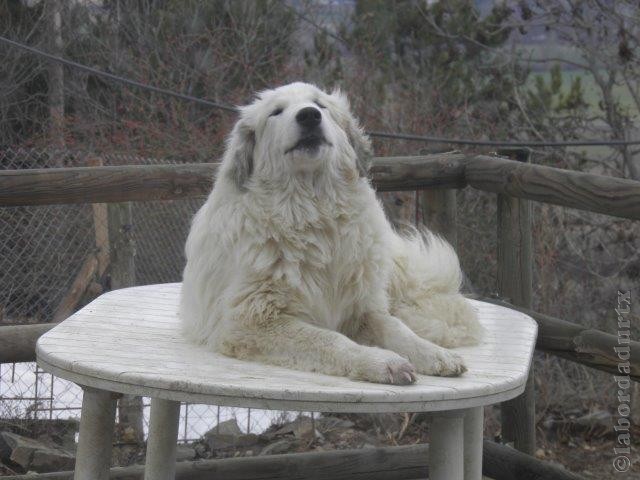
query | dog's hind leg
[389, 332]
[447, 319]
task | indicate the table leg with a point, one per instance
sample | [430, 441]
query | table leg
[473, 439]
[93, 457]
[446, 447]
[163, 440]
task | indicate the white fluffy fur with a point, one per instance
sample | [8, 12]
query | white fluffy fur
[292, 262]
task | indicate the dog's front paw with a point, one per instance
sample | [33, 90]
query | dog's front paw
[441, 363]
[384, 366]
[400, 372]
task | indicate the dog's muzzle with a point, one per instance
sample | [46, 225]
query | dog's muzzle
[309, 142]
[311, 137]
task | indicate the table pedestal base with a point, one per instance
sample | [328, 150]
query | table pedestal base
[473, 441]
[163, 440]
[93, 457]
[455, 450]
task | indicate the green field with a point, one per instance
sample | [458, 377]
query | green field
[592, 93]
[591, 90]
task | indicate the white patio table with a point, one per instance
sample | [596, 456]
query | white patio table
[128, 342]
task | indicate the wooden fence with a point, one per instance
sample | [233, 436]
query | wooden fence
[586, 191]
[516, 181]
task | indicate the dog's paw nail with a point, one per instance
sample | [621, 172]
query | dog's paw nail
[401, 372]
[452, 365]
[443, 363]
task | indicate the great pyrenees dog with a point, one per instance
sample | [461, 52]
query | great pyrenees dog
[292, 262]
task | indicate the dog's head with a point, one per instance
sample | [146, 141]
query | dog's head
[294, 129]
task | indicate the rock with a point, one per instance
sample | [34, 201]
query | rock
[5, 449]
[573, 412]
[59, 433]
[281, 446]
[387, 422]
[549, 423]
[185, 452]
[66, 442]
[228, 435]
[597, 419]
[221, 442]
[201, 450]
[350, 438]
[600, 421]
[51, 460]
[301, 427]
[228, 427]
[31, 454]
[125, 454]
[129, 435]
[323, 424]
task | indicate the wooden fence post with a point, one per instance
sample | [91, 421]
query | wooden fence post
[515, 271]
[122, 271]
[94, 264]
[100, 226]
[439, 212]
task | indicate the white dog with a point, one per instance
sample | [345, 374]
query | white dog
[292, 262]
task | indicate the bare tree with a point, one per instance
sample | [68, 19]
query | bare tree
[56, 74]
[605, 36]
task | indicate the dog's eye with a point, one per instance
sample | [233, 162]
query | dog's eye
[319, 104]
[277, 111]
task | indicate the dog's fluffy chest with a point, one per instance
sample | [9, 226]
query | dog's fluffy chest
[332, 260]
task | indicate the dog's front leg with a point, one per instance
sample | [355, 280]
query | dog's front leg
[386, 331]
[266, 333]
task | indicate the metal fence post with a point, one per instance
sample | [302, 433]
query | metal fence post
[122, 271]
[515, 271]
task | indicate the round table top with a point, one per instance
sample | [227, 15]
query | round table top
[129, 341]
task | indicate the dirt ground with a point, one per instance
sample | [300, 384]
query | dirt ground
[581, 441]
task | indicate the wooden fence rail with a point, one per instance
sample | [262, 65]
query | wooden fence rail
[388, 463]
[586, 346]
[48, 186]
[18, 342]
[586, 191]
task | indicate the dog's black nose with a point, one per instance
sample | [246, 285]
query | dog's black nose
[309, 117]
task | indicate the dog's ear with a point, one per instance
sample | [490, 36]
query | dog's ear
[358, 139]
[361, 144]
[239, 154]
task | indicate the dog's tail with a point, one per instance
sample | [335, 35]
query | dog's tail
[425, 263]
[425, 291]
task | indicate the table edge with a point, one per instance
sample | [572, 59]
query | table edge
[280, 404]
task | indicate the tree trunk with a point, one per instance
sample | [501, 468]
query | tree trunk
[56, 75]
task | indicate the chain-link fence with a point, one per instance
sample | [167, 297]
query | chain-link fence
[30, 395]
[44, 247]
[42, 253]
[43, 250]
